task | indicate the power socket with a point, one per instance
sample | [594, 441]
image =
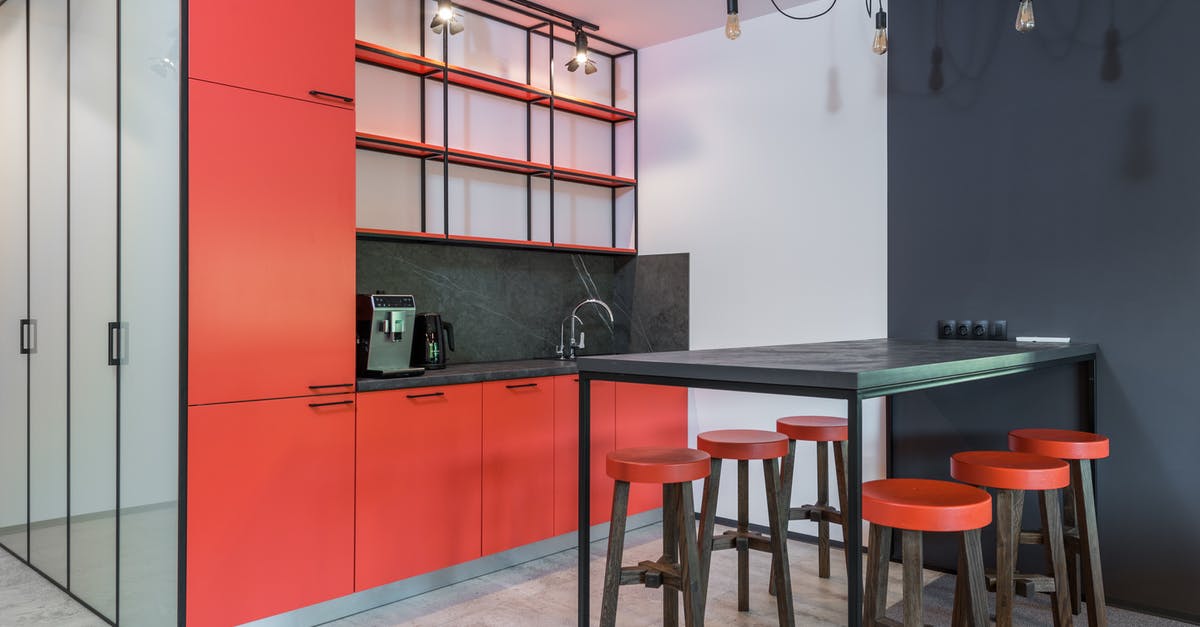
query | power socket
[963, 330]
[946, 329]
[979, 330]
[998, 330]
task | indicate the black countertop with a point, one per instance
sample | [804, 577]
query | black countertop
[473, 373]
[852, 365]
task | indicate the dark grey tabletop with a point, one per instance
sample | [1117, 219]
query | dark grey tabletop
[853, 365]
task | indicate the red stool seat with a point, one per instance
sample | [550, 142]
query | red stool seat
[743, 444]
[1007, 470]
[1060, 443]
[925, 505]
[656, 464]
[814, 428]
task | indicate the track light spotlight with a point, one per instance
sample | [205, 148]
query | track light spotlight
[444, 17]
[733, 27]
[581, 58]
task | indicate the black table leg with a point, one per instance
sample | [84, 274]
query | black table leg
[853, 514]
[585, 501]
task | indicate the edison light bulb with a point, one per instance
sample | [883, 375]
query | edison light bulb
[1025, 21]
[880, 45]
[733, 28]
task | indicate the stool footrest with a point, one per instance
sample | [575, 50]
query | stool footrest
[652, 575]
[729, 541]
[1027, 585]
[816, 513]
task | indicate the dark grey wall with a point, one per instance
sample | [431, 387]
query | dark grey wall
[1052, 181]
[508, 304]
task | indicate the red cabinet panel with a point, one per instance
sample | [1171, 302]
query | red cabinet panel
[284, 47]
[649, 415]
[419, 486]
[271, 246]
[566, 452]
[270, 515]
[518, 463]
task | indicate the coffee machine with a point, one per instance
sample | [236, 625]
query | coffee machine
[385, 335]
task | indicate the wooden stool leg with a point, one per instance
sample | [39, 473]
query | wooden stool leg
[689, 562]
[879, 552]
[670, 549]
[785, 498]
[960, 617]
[780, 571]
[841, 450]
[1007, 530]
[976, 599]
[743, 547]
[1055, 556]
[1070, 522]
[914, 589]
[1089, 542]
[616, 546]
[708, 515]
[822, 501]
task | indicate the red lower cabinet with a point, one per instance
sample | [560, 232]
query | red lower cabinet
[419, 485]
[566, 452]
[649, 415]
[518, 463]
[270, 512]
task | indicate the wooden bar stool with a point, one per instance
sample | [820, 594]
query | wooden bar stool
[916, 506]
[1011, 474]
[679, 568]
[823, 430]
[745, 445]
[1078, 449]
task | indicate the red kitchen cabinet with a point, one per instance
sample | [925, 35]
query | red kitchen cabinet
[418, 482]
[271, 246]
[649, 415]
[284, 47]
[270, 516]
[566, 452]
[518, 462]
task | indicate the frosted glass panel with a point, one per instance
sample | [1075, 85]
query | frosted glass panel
[14, 305]
[149, 304]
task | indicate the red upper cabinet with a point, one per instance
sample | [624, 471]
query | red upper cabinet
[270, 516]
[650, 415]
[418, 482]
[271, 246]
[518, 462]
[284, 47]
[566, 452]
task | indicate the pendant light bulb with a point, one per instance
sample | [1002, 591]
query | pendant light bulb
[880, 43]
[733, 26]
[1025, 21]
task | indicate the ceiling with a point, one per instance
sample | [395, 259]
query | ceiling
[642, 23]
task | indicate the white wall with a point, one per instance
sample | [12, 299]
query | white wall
[765, 158]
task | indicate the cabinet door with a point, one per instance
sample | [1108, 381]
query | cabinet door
[518, 463]
[270, 517]
[271, 293]
[283, 47]
[418, 482]
[649, 415]
[566, 452]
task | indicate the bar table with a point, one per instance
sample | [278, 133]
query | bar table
[851, 370]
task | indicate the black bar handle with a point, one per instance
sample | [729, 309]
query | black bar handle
[429, 395]
[521, 385]
[325, 94]
[331, 404]
[26, 336]
[114, 343]
[331, 385]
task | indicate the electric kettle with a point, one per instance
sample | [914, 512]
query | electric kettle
[431, 338]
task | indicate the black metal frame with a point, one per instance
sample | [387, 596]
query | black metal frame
[546, 19]
[854, 399]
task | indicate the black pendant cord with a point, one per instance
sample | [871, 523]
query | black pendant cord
[829, 8]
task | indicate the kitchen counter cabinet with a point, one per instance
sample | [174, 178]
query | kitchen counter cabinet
[270, 516]
[518, 463]
[419, 487]
[648, 415]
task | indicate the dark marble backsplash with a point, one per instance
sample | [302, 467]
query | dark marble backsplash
[508, 304]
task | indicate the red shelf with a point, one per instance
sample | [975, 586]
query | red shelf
[464, 77]
[409, 148]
